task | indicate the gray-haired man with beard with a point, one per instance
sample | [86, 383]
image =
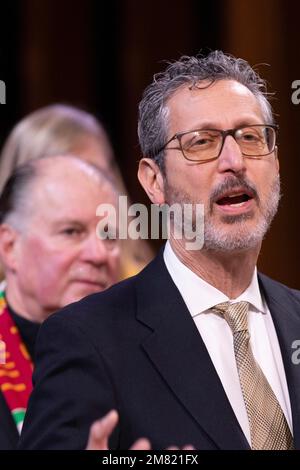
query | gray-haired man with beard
[197, 348]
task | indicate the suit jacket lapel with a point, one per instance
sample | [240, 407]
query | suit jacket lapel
[285, 311]
[179, 354]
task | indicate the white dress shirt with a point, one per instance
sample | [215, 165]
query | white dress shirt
[199, 297]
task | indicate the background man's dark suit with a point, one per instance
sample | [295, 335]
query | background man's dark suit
[136, 348]
[8, 431]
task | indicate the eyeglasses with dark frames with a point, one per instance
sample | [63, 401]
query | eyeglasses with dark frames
[204, 145]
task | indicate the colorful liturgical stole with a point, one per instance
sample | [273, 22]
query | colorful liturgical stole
[16, 371]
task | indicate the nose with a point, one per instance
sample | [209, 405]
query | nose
[94, 250]
[231, 158]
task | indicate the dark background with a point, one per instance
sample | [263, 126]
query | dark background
[100, 55]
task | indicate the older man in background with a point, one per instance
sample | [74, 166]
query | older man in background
[51, 257]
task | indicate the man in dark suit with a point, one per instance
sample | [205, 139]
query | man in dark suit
[198, 348]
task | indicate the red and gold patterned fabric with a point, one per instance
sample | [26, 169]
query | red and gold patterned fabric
[16, 372]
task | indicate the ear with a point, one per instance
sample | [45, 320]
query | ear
[152, 180]
[8, 241]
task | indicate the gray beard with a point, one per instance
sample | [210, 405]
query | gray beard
[242, 239]
[218, 239]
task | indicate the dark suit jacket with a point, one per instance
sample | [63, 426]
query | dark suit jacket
[9, 435]
[136, 348]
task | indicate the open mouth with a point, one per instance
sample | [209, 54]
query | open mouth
[234, 199]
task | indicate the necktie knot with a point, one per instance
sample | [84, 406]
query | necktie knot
[235, 314]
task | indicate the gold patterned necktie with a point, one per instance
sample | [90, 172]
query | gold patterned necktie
[268, 426]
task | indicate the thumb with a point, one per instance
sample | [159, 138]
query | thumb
[101, 430]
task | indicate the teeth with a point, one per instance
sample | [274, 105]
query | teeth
[235, 195]
[237, 205]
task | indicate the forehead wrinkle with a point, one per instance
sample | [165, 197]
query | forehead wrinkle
[184, 103]
[78, 201]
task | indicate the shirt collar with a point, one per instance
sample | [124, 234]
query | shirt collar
[199, 295]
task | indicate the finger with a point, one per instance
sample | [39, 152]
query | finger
[187, 447]
[141, 444]
[101, 430]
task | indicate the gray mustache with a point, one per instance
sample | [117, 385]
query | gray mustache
[232, 183]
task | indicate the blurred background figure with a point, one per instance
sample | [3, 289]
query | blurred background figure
[51, 257]
[60, 129]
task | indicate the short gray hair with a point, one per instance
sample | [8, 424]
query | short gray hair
[190, 70]
[15, 195]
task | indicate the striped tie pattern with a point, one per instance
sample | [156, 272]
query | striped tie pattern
[268, 426]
